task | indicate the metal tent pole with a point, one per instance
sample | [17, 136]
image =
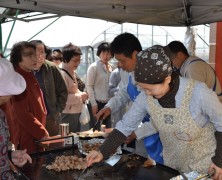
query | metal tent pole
[218, 54]
[1, 38]
[6, 44]
[40, 31]
[43, 29]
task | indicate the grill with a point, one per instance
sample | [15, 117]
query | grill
[129, 167]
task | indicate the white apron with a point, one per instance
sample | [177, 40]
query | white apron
[186, 146]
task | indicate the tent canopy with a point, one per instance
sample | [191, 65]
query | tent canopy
[152, 12]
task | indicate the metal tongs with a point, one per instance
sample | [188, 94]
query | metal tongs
[80, 176]
[183, 175]
[14, 169]
[97, 125]
[209, 175]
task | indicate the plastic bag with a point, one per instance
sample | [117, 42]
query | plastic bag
[84, 117]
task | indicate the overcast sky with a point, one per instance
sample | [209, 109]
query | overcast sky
[81, 31]
[85, 31]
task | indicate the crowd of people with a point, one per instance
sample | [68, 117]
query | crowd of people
[172, 101]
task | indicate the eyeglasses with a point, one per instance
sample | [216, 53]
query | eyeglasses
[41, 54]
[57, 58]
[29, 54]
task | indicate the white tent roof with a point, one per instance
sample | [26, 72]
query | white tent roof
[152, 12]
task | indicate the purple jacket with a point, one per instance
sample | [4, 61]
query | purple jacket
[5, 172]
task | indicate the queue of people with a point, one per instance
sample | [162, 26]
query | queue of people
[34, 96]
[175, 116]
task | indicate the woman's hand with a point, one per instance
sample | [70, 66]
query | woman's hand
[84, 96]
[130, 138]
[20, 157]
[46, 136]
[93, 157]
[218, 172]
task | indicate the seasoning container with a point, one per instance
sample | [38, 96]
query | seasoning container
[69, 139]
[64, 129]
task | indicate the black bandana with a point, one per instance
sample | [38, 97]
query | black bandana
[153, 65]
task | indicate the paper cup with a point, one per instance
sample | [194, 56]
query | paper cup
[64, 129]
[103, 128]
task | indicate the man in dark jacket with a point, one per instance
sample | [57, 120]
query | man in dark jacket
[53, 87]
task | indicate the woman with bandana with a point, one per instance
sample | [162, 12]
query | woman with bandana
[185, 112]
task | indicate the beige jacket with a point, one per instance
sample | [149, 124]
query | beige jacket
[74, 100]
[199, 70]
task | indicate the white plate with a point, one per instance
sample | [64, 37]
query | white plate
[90, 133]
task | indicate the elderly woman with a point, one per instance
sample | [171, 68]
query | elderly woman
[186, 113]
[28, 109]
[11, 83]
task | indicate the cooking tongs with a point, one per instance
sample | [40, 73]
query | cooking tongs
[97, 125]
[206, 175]
[183, 175]
[80, 176]
[17, 173]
